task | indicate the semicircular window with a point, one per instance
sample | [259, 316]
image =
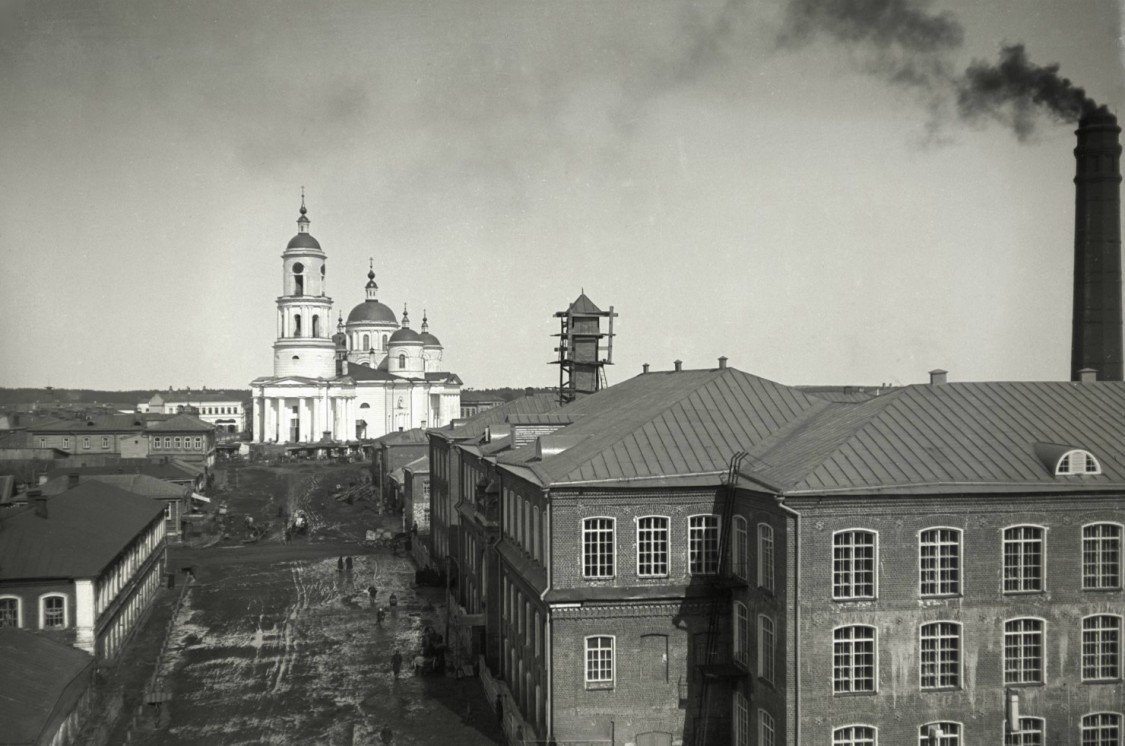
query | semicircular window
[1078, 462]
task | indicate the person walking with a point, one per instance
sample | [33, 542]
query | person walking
[340, 563]
[348, 563]
[396, 663]
[372, 592]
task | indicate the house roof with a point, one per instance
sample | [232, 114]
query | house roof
[418, 465]
[582, 306]
[187, 397]
[474, 426]
[180, 423]
[138, 484]
[413, 436]
[661, 426]
[36, 672]
[964, 436]
[85, 530]
[171, 470]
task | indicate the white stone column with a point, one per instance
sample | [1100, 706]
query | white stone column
[84, 614]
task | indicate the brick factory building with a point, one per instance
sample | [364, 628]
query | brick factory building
[931, 562]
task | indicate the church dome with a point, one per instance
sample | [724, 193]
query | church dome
[303, 241]
[429, 340]
[372, 311]
[405, 335]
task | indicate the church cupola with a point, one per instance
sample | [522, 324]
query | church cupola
[304, 346]
[431, 346]
[371, 287]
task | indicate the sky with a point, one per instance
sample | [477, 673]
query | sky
[809, 194]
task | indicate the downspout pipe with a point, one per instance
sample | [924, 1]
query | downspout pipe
[547, 646]
[797, 616]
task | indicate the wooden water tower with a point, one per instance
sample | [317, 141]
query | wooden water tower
[584, 349]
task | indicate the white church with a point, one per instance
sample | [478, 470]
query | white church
[375, 375]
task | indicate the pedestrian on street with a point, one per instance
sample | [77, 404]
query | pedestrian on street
[396, 663]
[393, 600]
[348, 563]
[380, 616]
[499, 710]
[372, 592]
[340, 563]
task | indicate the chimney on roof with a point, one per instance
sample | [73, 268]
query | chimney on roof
[72, 479]
[1096, 340]
[39, 500]
[679, 365]
[722, 362]
[1087, 375]
[938, 376]
[644, 368]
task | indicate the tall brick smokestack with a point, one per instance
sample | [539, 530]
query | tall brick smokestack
[1097, 340]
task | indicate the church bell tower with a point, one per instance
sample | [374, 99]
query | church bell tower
[304, 345]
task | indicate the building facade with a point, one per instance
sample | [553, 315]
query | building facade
[219, 409]
[375, 375]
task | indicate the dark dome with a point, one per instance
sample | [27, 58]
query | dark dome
[405, 335]
[429, 340]
[303, 241]
[372, 311]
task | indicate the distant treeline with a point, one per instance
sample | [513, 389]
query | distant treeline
[94, 396]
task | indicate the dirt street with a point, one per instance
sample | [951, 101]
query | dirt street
[274, 644]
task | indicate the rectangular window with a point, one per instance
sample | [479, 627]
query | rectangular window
[9, 612]
[740, 549]
[741, 719]
[177, 441]
[1101, 648]
[853, 565]
[1023, 559]
[167, 441]
[1101, 556]
[54, 611]
[105, 442]
[941, 655]
[703, 544]
[766, 729]
[1101, 729]
[599, 660]
[652, 546]
[66, 443]
[1023, 651]
[765, 557]
[43, 443]
[597, 548]
[939, 551]
[766, 648]
[198, 443]
[1030, 733]
[741, 634]
[853, 660]
[85, 442]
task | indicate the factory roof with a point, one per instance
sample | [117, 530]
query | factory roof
[85, 529]
[34, 680]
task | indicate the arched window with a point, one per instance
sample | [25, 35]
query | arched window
[941, 655]
[739, 548]
[1101, 729]
[741, 636]
[854, 559]
[853, 655]
[765, 557]
[316, 325]
[854, 735]
[401, 362]
[365, 405]
[384, 342]
[366, 341]
[10, 612]
[298, 279]
[940, 734]
[52, 611]
[296, 325]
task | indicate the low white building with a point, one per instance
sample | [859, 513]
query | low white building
[217, 408]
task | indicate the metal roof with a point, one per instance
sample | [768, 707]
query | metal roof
[967, 436]
[36, 673]
[583, 306]
[85, 529]
[138, 484]
[474, 426]
[666, 424]
[171, 470]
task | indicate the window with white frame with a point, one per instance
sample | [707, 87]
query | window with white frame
[767, 732]
[10, 612]
[66, 442]
[1030, 733]
[853, 564]
[1101, 648]
[853, 659]
[767, 648]
[741, 633]
[1078, 462]
[198, 442]
[855, 735]
[176, 440]
[940, 647]
[741, 719]
[652, 546]
[1101, 556]
[739, 548]
[1023, 559]
[939, 559]
[1101, 729]
[703, 544]
[940, 734]
[597, 548]
[1023, 651]
[85, 442]
[43, 443]
[105, 442]
[52, 611]
[765, 557]
[167, 441]
[599, 660]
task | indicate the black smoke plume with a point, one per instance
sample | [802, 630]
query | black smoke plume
[907, 44]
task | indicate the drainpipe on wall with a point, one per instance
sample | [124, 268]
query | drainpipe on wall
[797, 616]
[547, 647]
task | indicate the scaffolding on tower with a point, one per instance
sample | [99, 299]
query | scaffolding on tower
[584, 349]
